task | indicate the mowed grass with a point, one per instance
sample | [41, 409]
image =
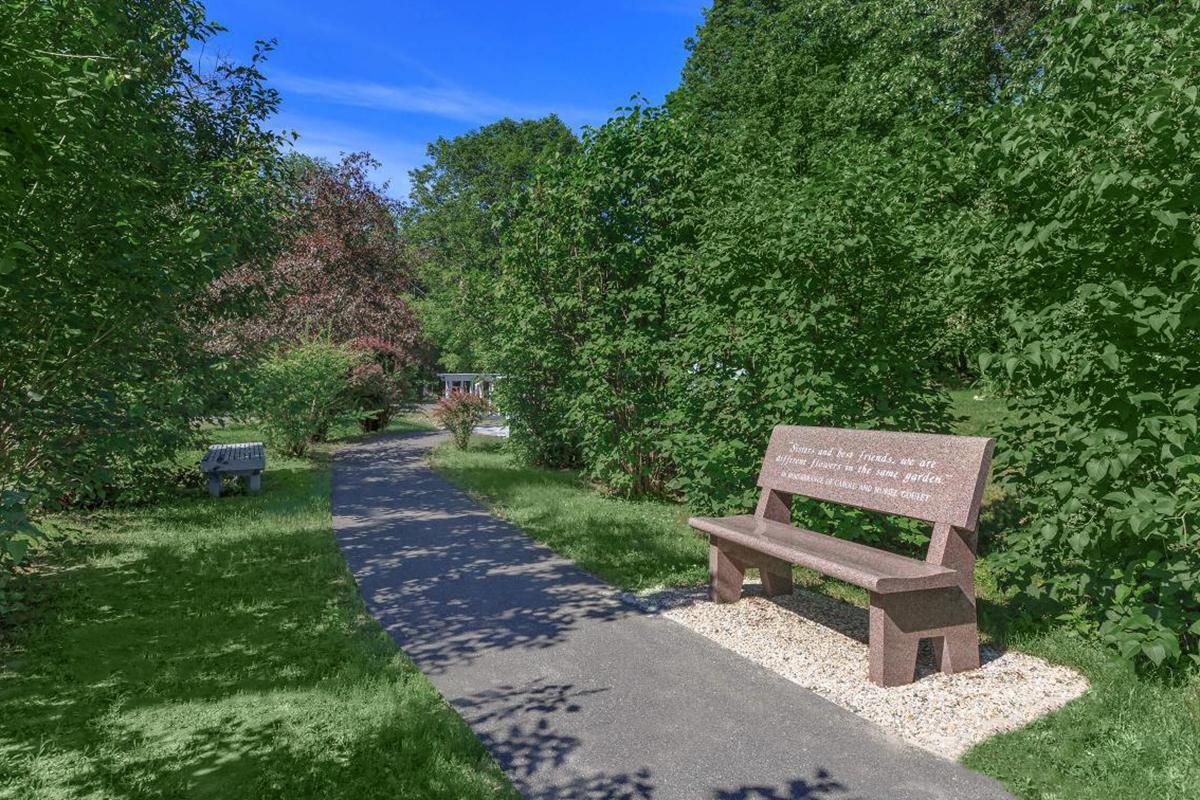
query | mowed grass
[218, 649]
[632, 544]
[1130, 735]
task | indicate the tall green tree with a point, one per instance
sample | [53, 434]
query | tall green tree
[1087, 238]
[818, 89]
[766, 249]
[130, 177]
[455, 218]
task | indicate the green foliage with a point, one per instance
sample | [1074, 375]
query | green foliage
[373, 394]
[669, 296]
[129, 179]
[581, 305]
[1090, 222]
[459, 413]
[383, 382]
[454, 219]
[855, 107]
[843, 203]
[17, 536]
[301, 392]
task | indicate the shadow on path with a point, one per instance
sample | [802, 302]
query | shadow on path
[577, 694]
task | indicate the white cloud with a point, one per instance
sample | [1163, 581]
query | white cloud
[443, 100]
[327, 139]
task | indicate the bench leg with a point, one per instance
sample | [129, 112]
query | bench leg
[776, 576]
[957, 650]
[214, 484]
[254, 482]
[900, 621]
[893, 651]
[725, 574]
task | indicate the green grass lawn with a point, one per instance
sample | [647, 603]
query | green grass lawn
[219, 649]
[1131, 735]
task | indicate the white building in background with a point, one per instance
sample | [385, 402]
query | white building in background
[479, 383]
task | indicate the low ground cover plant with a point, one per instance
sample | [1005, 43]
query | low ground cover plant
[219, 649]
[459, 413]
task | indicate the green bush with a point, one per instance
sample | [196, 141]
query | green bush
[301, 392]
[667, 298]
[1090, 223]
[841, 202]
[373, 394]
[113, 218]
[459, 413]
[17, 535]
[581, 306]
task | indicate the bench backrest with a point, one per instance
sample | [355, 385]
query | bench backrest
[931, 477]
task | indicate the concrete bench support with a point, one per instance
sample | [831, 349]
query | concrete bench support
[246, 461]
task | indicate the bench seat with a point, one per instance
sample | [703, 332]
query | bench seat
[874, 570]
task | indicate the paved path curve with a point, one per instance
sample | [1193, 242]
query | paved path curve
[577, 694]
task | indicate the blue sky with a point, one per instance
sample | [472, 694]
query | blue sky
[389, 77]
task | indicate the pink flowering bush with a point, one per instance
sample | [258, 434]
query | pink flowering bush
[459, 413]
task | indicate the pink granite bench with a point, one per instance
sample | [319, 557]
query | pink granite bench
[934, 478]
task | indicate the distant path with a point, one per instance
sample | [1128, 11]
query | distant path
[578, 695]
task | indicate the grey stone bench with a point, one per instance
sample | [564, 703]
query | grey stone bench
[246, 460]
[935, 478]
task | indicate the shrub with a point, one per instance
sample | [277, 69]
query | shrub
[1090, 223]
[159, 179]
[373, 395]
[17, 534]
[378, 382]
[655, 326]
[301, 392]
[459, 413]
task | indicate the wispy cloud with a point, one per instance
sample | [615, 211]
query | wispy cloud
[327, 139]
[446, 101]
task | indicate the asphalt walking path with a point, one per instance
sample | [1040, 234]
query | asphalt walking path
[574, 692]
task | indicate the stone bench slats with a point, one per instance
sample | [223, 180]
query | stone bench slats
[234, 457]
[246, 459]
[872, 569]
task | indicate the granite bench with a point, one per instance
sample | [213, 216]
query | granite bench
[934, 478]
[246, 460]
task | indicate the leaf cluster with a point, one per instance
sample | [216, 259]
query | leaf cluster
[130, 177]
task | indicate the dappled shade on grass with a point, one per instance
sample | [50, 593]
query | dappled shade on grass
[217, 648]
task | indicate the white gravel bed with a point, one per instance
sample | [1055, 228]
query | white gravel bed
[820, 643]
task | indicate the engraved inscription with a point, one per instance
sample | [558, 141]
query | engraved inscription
[884, 474]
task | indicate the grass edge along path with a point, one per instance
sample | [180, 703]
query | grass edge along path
[1130, 735]
[219, 648]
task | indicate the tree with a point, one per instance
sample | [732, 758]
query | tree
[455, 218]
[342, 273]
[129, 179]
[815, 86]
[1086, 239]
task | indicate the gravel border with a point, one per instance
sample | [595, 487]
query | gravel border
[820, 644]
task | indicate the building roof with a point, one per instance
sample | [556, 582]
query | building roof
[468, 376]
